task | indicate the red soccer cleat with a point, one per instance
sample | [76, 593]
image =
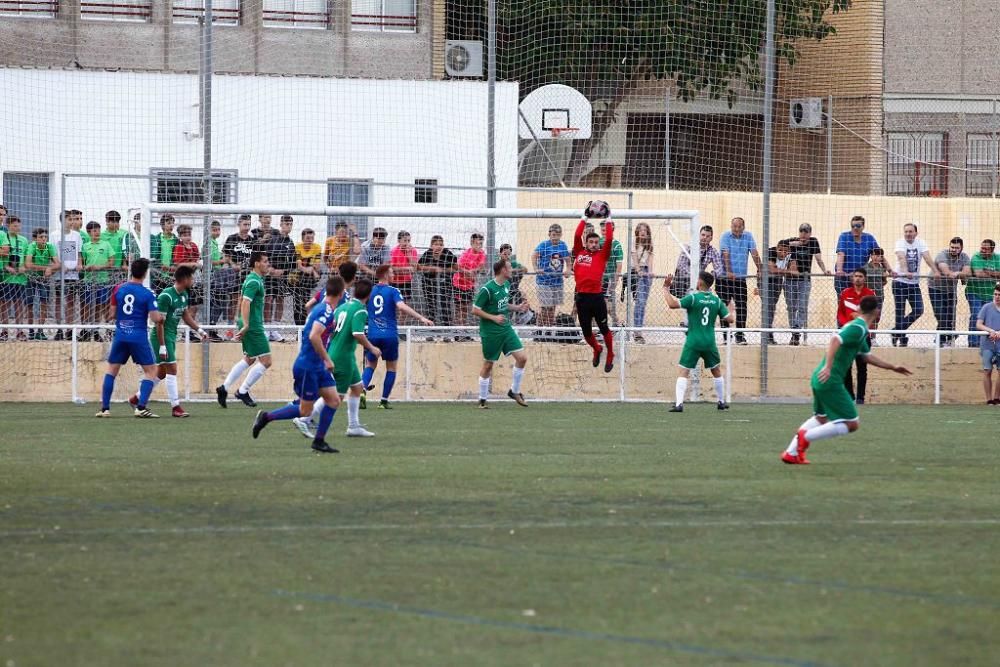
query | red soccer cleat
[803, 444]
[793, 460]
[178, 411]
[133, 400]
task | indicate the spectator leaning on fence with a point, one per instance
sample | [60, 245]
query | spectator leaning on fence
[737, 245]
[878, 272]
[853, 249]
[70, 247]
[237, 250]
[798, 288]
[98, 258]
[985, 268]
[115, 237]
[42, 261]
[612, 272]
[343, 246]
[641, 275]
[781, 265]
[550, 260]
[223, 281]
[988, 320]
[437, 265]
[374, 253]
[280, 250]
[471, 267]
[14, 285]
[952, 266]
[308, 266]
[403, 259]
[910, 250]
[707, 255]
[186, 253]
[262, 234]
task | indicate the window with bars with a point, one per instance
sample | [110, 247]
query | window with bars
[341, 192]
[116, 10]
[297, 14]
[37, 9]
[26, 195]
[187, 186]
[224, 12]
[917, 164]
[982, 155]
[425, 191]
[384, 15]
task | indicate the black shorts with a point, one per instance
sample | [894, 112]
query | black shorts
[591, 308]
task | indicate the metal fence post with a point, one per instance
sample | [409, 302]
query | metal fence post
[769, 82]
[937, 369]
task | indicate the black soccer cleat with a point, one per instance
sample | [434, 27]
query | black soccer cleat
[221, 395]
[676, 408]
[517, 398]
[482, 404]
[322, 447]
[259, 422]
[722, 405]
[609, 364]
[370, 387]
[246, 398]
[597, 356]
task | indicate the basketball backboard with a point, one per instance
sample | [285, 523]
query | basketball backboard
[555, 107]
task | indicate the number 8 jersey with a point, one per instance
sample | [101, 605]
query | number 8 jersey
[133, 303]
[703, 309]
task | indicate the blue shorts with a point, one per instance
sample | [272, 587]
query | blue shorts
[989, 357]
[389, 347]
[309, 380]
[40, 290]
[139, 351]
[97, 294]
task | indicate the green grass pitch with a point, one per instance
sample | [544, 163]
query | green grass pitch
[583, 534]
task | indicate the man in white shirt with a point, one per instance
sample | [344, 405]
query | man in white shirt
[70, 247]
[906, 281]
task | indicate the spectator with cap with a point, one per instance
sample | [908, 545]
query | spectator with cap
[374, 253]
[854, 247]
[737, 245]
[798, 288]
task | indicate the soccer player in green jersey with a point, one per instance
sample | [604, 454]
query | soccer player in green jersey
[250, 332]
[172, 302]
[351, 328]
[492, 306]
[703, 308]
[834, 412]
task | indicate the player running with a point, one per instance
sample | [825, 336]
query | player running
[172, 303]
[492, 306]
[251, 334]
[383, 332]
[834, 412]
[134, 304]
[703, 308]
[311, 373]
[589, 261]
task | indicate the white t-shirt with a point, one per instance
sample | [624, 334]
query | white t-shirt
[69, 254]
[913, 254]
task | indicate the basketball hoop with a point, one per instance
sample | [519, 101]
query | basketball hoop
[564, 132]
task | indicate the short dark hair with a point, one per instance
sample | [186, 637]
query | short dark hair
[498, 266]
[593, 235]
[340, 224]
[216, 223]
[783, 243]
[286, 218]
[958, 240]
[379, 233]
[183, 229]
[876, 251]
[334, 286]
[861, 270]
[869, 304]
[362, 289]
[805, 227]
[990, 242]
[13, 218]
[382, 271]
[38, 231]
[996, 288]
[92, 225]
[506, 246]
[246, 216]
[437, 237]
[912, 224]
[858, 218]
[183, 272]
[706, 278]
[113, 216]
[477, 235]
[308, 230]
[165, 218]
[401, 233]
[555, 228]
[707, 228]
[348, 271]
[256, 256]
[139, 268]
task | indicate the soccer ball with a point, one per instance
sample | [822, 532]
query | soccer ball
[597, 209]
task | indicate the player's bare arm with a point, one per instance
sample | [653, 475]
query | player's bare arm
[193, 324]
[882, 363]
[245, 315]
[402, 307]
[672, 301]
[831, 352]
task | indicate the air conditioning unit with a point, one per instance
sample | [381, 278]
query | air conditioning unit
[463, 58]
[805, 113]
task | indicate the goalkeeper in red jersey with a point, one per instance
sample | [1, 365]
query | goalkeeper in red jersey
[589, 261]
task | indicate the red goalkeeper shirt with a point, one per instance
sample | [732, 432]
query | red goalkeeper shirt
[849, 304]
[588, 267]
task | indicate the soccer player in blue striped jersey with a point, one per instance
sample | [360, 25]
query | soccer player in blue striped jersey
[348, 271]
[383, 332]
[312, 372]
[134, 305]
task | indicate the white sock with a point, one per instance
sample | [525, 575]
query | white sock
[515, 384]
[681, 390]
[235, 372]
[256, 373]
[484, 388]
[810, 423]
[171, 382]
[317, 408]
[353, 408]
[827, 431]
[720, 388]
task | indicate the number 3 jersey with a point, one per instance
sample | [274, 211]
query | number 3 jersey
[382, 312]
[133, 304]
[703, 309]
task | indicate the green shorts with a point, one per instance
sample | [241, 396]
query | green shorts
[171, 344]
[346, 374]
[255, 344]
[501, 342]
[832, 401]
[690, 356]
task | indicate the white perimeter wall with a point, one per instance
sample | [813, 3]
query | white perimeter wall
[60, 122]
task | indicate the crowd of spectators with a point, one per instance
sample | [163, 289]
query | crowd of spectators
[79, 271]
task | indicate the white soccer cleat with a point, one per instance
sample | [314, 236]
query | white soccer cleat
[359, 432]
[304, 425]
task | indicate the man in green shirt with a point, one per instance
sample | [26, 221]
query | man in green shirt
[161, 252]
[41, 261]
[834, 413]
[115, 237]
[250, 333]
[985, 268]
[703, 308]
[612, 272]
[492, 306]
[173, 304]
[14, 284]
[98, 257]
